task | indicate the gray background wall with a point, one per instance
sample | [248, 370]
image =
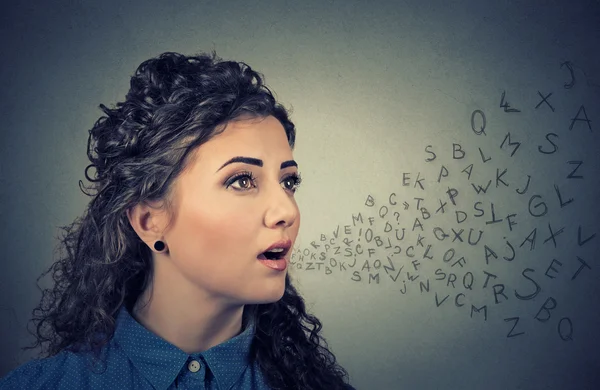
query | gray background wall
[374, 86]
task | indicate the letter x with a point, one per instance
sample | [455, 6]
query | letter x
[545, 100]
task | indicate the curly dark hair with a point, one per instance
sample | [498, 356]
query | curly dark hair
[175, 104]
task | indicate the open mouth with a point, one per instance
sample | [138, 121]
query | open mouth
[276, 254]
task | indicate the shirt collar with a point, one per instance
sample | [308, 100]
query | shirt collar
[160, 361]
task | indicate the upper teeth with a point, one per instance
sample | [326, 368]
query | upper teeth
[276, 250]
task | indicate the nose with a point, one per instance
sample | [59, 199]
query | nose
[281, 208]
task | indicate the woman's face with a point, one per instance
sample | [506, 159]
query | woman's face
[222, 222]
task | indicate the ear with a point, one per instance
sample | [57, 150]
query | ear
[149, 221]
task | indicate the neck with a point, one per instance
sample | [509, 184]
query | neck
[179, 313]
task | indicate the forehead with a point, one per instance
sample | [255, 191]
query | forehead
[262, 138]
[255, 131]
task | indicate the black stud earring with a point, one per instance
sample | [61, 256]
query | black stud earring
[159, 245]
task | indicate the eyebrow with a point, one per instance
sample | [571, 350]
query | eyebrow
[256, 161]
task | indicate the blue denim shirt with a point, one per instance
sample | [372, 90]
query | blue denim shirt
[138, 359]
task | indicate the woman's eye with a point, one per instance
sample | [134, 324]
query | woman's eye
[245, 180]
[294, 181]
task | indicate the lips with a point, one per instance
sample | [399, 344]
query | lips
[284, 244]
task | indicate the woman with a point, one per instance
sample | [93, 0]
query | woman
[176, 275]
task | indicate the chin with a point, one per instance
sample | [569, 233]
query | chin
[269, 297]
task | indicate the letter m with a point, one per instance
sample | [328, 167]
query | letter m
[484, 308]
[515, 145]
[357, 219]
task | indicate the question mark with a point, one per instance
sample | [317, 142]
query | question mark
[397, 214]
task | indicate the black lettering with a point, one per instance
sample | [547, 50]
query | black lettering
[457, 235]
[416, 264]
[481, 189]
[400, 238]
[512, 249]
[481, 129]
[562, 204]
[504, 104]
[439, 272]
[483, 158]
[514, 144]
[468, 281]
[419, 181]
[429, 151]
[442, 205]
[451, 280]
[569, 65]
[398, 274]
[536, 206]
[547, 309]
[552, 143]
[537, 287]
[531, 238]
[484, 308]
[426, 252]
[476, 209]
[488, 275]
[478, 239]
[452, 193]
[510, 221]
[579, 237]
[572, 174]
[577, 118]
[552, 268]
[568, 336]
[526, 186]
[417, 224]
[498, 290]
[499, 177]
[493, 220]
[451, 252]
[456, 300]
[374, 277]
[553, 235]
[437, 301]
[583, 265]
[443, 173]
[390, 199]
[411, 278]
[544, 100]
[354, 220]
[489, 252]
[419, 202]
[468, 170]
[406, 179]
[455, 150]
[511, 334]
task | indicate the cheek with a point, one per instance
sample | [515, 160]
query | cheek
[218, 229]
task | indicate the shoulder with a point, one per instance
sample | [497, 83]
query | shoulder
[65, 370]
[36, 373]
